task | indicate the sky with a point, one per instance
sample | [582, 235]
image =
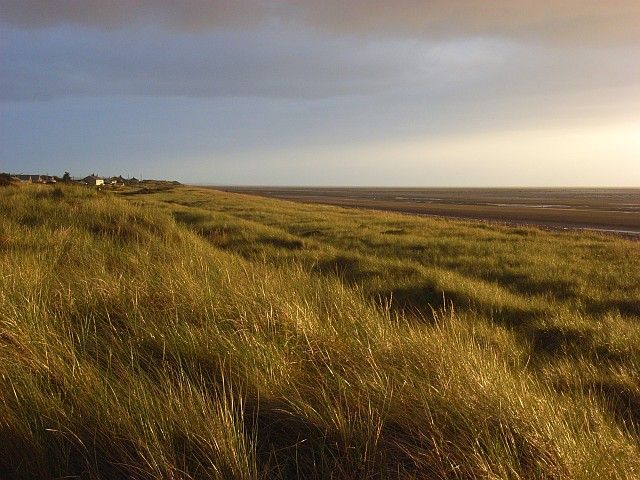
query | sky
[286, 92]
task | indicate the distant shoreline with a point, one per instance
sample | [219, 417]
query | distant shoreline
[604, 210]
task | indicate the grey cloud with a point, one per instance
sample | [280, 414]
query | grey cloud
[281, 59]
[270, 63]
[577, 21]
[149, 61]
[185, 14]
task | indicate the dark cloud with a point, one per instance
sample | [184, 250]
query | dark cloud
[276, 63]
[305, 49]
[187, 14]
[566, 20]
[266, 63]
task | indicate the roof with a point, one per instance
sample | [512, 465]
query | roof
[35, 178]
[28, 177]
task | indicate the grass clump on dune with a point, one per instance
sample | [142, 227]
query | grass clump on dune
[194, 334]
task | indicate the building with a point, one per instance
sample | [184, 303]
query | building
[93, 180]
[115, 180]
[36, 178]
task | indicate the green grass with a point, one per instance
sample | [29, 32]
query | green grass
[187, 333]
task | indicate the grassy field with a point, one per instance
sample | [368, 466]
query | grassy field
[183, 333]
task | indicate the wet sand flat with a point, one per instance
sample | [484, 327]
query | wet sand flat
[606, 209]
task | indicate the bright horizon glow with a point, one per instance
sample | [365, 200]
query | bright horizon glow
[501, 159]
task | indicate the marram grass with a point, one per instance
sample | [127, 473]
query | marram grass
[187, 333]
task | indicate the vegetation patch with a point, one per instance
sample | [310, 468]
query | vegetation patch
[185, 333]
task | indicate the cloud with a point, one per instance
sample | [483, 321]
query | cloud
[436, 52]
[268, 63]
[579, 21]
[186, 14]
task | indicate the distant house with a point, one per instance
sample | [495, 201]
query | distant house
[93, 180]
[115, 180]
[36, 178]
[27, 178]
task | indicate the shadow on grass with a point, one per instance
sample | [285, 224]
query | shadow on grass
[189, 218]
[83, 450]
[116, 230]
[230, 237]
[349, 269]
[147, 190]
[424, 298]
[620, 399]
[525, 284]
[561, 341]
[625, 306]
[310, 233]
[574, 343]
[289, 446]
[283, 243]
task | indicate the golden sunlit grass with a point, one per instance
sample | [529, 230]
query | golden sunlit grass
[185, 333]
